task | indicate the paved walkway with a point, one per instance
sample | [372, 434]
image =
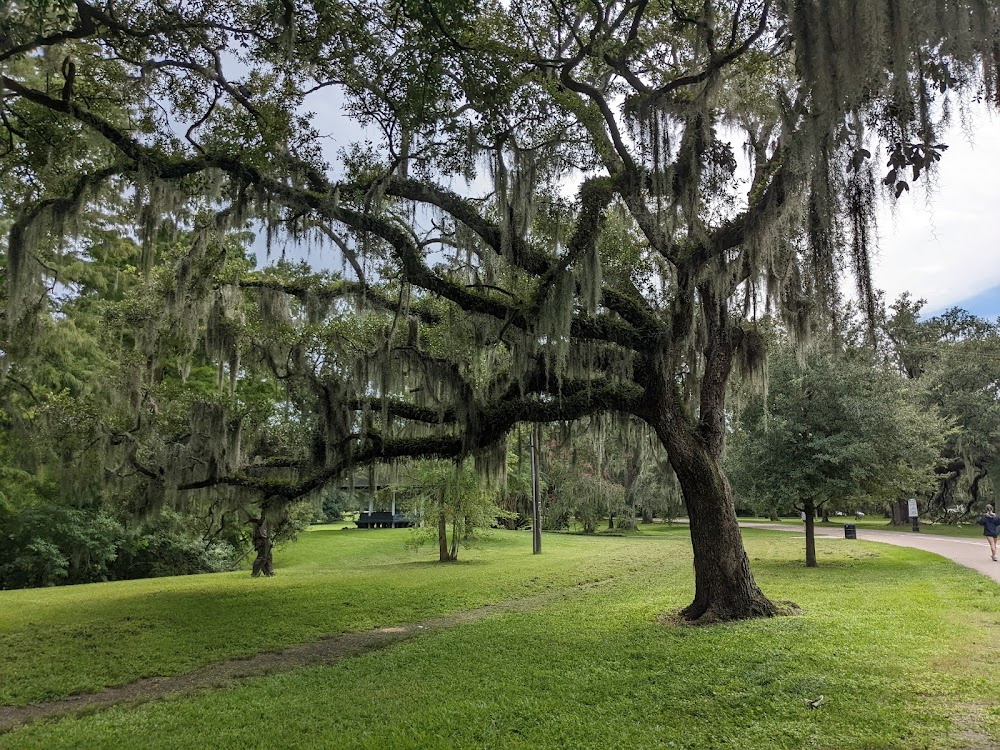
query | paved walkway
[971, 552]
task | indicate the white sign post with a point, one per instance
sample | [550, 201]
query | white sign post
[914, 513]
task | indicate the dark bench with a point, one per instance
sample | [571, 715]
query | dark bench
[383, 519]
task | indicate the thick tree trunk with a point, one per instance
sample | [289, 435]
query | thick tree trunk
[900, 513]
[647, 514]
[773, 516]
[826, 514]
[724, 585]
[810, 510]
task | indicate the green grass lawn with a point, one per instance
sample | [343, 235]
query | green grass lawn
[64, 640]
[894, 640]
[878, 523]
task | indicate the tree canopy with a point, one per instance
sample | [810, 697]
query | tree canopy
[954, 361]
[832, 428]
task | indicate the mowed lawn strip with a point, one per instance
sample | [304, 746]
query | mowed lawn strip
[57, 642]
[889, 645]
[969, 529]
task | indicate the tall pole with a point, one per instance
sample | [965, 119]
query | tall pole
[536, 502]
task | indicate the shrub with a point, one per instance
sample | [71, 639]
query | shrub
[46, 544]
[167, 545]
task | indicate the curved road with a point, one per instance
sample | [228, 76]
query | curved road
[971, 552]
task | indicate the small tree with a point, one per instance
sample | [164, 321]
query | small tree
[831, 427]
[454, 496]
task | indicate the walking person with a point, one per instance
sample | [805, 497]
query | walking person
[991, 527]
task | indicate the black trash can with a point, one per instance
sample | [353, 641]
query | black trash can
[850, 531]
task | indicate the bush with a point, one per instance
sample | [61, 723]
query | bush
[45, 544]
[39, 563]
[167, 546]
[333, 506]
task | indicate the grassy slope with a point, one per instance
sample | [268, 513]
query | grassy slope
[59, 641]
[893, 639]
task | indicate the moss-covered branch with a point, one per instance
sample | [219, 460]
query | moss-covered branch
[404, 410]
[304, 289]
[495, 420]
[523, 254]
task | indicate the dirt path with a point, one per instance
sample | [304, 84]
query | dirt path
[223, 674]
[970, 552]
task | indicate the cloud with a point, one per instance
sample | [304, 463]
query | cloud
[942, 245]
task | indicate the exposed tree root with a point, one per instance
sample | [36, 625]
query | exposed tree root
[697, 616]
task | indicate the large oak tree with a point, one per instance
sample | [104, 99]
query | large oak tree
[954, 358]
[466, 307]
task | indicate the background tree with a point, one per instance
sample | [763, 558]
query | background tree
[954, 361]
[515, 491]
[831, 428]
[637, 297]
[585, 496]
[452, 498]
[64, 520]
[658, 493]
[596, 467]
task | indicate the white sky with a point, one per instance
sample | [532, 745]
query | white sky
[943, 246]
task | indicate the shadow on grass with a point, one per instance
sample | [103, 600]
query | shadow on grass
[425, 564]
[832, 564]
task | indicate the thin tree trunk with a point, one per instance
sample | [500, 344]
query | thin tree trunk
[633, 465]
[810, 510]
[536, 494]
[442, 537]
[454, 539]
